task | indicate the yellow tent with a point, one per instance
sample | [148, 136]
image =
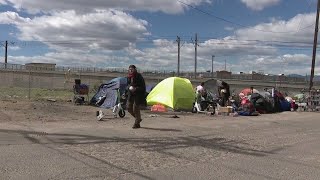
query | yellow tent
[173, 92]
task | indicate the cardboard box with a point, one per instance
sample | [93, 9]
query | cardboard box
[225, 109]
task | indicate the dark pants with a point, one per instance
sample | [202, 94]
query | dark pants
[134, 110]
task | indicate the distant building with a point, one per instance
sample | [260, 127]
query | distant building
[40, 66]
[257, 76]
[242, 76]
[223, 74]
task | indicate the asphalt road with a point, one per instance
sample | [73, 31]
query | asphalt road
[193, 146]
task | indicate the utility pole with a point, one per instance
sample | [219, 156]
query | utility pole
[195, 56]
[315, 42]
[225, 65]
[6, 55]
[178, 70]
[212, 65]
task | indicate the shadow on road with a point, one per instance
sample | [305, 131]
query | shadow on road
[161, 129]
[163, 145]
[158, 144]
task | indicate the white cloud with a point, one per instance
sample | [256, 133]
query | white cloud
[11, 18]
[164, 53]
[286, 64]
[297, 59]
[263, 54]
[298, 29]
[104, 29]
[89, 36]
[229, 28]
[295, 33]
[74, 58]
[14, 48]
[259, 4]
[84, 6]
[165, 58]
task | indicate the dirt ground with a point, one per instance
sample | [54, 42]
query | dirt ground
[15, 111]
[47, 116]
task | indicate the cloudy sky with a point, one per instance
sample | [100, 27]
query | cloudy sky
[273, 36]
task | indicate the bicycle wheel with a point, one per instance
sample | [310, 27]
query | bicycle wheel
[122, 113]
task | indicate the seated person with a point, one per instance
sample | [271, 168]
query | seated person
[201, 92]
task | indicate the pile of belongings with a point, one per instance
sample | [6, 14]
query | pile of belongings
[254, 102]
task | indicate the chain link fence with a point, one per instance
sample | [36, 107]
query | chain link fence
[41, 82]
[21, 82]
[45, 82]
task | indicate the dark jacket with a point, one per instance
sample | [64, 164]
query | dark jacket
[137, 96]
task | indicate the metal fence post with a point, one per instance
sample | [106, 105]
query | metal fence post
[29, 89]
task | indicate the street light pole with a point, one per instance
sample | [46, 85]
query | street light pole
[281, 76]
[212, 65]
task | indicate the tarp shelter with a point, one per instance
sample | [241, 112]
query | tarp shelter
[109, 91]
[247, 91]
[300, 97]
[211, 85]
[149, 87]
[219, 89]
[174, 92]
[261, 103]
[214, 86]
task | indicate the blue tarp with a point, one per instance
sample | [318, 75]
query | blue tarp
[150, 87]
[285, 105]
[109, 90]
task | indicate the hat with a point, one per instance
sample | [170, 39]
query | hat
[132, 66]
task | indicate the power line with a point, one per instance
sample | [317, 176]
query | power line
[231, 22]
[309, 2]
[149, 40]
[291, 45]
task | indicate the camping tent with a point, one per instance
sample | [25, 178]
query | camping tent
[109, 91]
[174, 92]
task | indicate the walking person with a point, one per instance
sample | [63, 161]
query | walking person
[136, 94]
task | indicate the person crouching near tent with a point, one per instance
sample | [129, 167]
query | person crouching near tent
[201, 96]
[136, 90]
[201, 91]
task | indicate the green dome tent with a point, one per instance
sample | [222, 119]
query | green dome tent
[174, 92]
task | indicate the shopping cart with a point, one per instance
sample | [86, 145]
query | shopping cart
[117, 110]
